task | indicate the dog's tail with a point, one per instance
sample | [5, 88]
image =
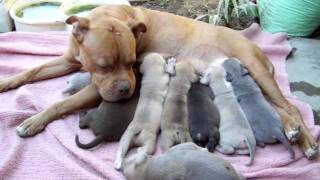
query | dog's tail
[92, 144]
[280, 136]
[251, 143]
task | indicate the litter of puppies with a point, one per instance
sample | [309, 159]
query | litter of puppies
[224, 110]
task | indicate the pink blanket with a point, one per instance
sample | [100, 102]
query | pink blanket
[53, 153]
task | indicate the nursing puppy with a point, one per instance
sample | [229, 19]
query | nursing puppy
[174, 122]
[236, 135]
[204, 116]
[184, 161]
[109, 121]
[143, 129]
[263, 118]
[76, 82]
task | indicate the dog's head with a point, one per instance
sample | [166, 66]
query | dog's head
[234, 69]
[106, 41]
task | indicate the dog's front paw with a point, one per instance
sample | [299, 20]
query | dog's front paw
[293, 133]
[31, 126]
[292, 127]
[308, 144]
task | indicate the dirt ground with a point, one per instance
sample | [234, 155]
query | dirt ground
[188, 8]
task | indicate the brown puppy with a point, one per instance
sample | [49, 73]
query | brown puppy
[107, 42]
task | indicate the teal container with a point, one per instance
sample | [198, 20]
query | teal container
[295, 17]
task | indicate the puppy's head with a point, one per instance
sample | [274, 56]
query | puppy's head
[212, 74]
[106, 41]
[234, 69]
[152, 63]
[184, 69]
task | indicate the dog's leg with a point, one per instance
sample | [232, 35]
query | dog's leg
[87, 97]
[255, 61]
[305, 140]
[55, 68]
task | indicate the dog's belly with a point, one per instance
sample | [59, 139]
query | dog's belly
[201, 57]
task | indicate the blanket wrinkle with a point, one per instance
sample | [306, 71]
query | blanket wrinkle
[53, 153]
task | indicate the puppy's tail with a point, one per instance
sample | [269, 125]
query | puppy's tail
[251, 143]
[92, 144]
[280, 136]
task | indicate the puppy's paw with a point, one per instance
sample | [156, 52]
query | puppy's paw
[225, 149]
[31, 126]
[175, 135]
[212, 143]
[118, 161]
[170, 66]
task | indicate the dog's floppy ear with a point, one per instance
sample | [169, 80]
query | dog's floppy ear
[80, 27]
[137, 28]
[244, 70]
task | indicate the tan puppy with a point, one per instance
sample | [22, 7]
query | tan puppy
[143, 129]
[107, 42]
[174, 121]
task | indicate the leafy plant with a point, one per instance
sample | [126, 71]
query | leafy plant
[226, 7]
[164, 2]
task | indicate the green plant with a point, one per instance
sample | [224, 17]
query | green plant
[164, 2]
[226, 7]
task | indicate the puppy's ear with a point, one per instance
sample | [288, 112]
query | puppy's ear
[80, 27]
[229, 77]
[137, 28]
[244, 70]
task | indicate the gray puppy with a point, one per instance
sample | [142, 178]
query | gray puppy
[76, 82]
[204, 116]
[184, 161]
[174, 120]
[109, 121]
[236, 135]
[263, 118]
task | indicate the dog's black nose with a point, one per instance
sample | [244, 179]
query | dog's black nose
[123, 88]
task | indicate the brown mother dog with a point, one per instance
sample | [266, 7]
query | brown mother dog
[107, 42]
